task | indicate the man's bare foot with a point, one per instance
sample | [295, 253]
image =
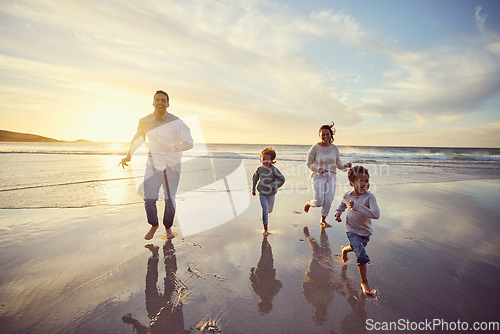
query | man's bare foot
[170, 234]
[366, 288]
[306, 207]
[344, 254]
[306, 231]
[151, 233]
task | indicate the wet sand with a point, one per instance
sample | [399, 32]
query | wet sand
[435, 255]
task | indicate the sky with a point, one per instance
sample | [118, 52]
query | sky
[387, 72]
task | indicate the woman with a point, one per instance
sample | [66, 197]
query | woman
[323, 160]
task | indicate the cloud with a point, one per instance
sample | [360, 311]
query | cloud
[490, 39]
[494, 47]
[239, 63]
[480, 20]
[444, 81]
[457, 136]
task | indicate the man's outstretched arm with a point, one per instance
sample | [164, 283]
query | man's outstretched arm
[137, 141]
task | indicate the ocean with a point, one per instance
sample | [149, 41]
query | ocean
[84, 174]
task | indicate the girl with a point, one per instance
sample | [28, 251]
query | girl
[269, 179]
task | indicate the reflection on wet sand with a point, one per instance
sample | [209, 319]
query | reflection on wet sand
[321, 280]
[263, 278]
[355, 322]
[164, 309]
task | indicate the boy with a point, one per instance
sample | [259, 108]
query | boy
[362, 207]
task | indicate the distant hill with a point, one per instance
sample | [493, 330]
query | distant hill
[23, 137]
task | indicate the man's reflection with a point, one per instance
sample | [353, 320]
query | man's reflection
[164, 309]
[263, 278]
[321, 281]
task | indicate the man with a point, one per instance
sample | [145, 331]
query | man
[168, 137]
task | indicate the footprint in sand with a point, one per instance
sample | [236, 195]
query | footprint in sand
[339, 257]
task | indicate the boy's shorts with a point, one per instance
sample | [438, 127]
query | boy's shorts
[358, 244]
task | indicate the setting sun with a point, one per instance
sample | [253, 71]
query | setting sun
[113, 121]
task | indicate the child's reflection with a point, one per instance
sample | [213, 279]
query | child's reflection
[263, 278]
[321, 281]
[164, 309]
[355, 322]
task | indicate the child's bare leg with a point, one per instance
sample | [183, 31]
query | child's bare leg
[364, 281]
[169, 233]
[346, 250]
[151, 233]
[324, 223]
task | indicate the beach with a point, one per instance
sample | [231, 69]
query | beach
[435, 257]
